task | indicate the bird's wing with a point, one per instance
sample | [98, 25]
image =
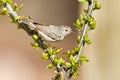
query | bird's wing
[51, 31]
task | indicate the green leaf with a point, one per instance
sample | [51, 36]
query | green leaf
[29, 17]
[68, 65]
[73, 61]
[50, 51]
[3, 1]
[68, 52]
[73, 52]
[55, 71]
[83, 17]
[9, 1]
[45, 56]
[90, 18]
[61, 61]
[77, 48]
[78, 24]
[4, 11]
[50, 66]
[92, 24]
[72, 58]
[86, 39]
[35, 45]
[56, 61]
[21, 6]
[97, 5]
[16, 7]
[83, 59]
[56, 51]
[86, 11]
[35, 37]
[75, 74]
[82, 0]
[17, 18]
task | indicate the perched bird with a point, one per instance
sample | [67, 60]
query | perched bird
[49, 32]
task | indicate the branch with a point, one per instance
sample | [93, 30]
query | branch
[84, 31]
[82, 42]
[41, 43]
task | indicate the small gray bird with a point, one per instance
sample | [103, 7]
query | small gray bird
[49, 32]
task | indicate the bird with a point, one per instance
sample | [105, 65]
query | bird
[50, 32]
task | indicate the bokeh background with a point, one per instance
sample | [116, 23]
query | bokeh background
[19, 61]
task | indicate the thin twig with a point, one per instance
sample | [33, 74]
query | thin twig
[84, 31]
[81, 43]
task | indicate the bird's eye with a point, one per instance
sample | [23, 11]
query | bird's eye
[66, 30]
